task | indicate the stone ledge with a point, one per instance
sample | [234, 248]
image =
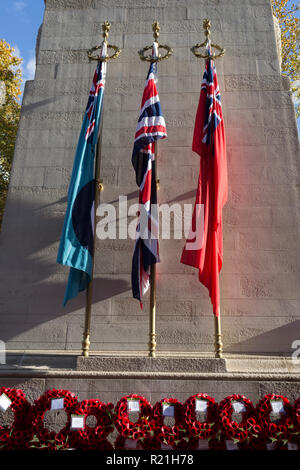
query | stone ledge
[30, 373]
[61, 364]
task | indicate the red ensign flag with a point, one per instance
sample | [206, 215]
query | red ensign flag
[206, 254]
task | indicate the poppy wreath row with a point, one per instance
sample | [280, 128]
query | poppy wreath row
[253, 432]
[256, 427]
[88, 438]
[150, 430]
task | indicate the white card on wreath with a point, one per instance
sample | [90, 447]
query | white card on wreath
[238, 407]
[57, 404]
[77, 421]
[201, 405]
[5, 402]
[230, 445]
[277, 406]
[203, 444]
[168, 410]
[133, 405]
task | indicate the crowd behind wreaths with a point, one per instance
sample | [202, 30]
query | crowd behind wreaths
[198, 423]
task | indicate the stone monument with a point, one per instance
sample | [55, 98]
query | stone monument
[260, 295]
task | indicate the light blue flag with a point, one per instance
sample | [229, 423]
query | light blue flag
[77, 241]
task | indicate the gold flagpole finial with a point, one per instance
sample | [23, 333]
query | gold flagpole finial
[106, 29]
[151, 58]
[194, 49]
[156, 30]
[206, 27]
[117, 51]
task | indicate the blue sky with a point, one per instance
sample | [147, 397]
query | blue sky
[19, 24]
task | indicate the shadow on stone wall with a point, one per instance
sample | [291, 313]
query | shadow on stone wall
[33, 287]
[277, 341]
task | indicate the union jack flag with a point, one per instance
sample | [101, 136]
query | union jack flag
[97, 85]
[150, 128]
[213, 106]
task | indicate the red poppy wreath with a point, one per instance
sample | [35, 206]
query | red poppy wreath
[201, 429]
[169, 435]
[142, 427]
[283, 430]
[238, 432]
[51, 439]
[93, 438]
[18, 435]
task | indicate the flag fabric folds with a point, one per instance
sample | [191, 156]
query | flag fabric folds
[77, 239]
[150, 128]
[209, 143]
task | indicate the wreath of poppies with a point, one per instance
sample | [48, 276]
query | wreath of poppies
[51, 439]
[169, 435]
[284, 429]
[93, 438]
[18, 435]
[149, 432]
[142, 428]
[238, 432]
[205, 429]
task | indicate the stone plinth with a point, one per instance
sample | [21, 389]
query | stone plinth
[109, 377]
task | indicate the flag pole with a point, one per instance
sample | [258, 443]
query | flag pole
[154, 58]
[98, 188]
[218, 336]
[152, 344]
[89, 293]
[207, 56]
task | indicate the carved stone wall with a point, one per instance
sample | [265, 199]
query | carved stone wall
[260, 296]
